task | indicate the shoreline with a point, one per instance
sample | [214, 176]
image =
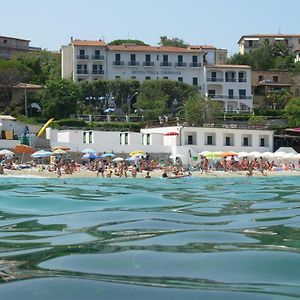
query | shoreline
[141, 175]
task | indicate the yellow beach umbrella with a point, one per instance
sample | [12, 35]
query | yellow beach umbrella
[136, 152]
[59, 151]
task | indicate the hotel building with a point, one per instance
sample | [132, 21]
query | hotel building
[248, 43]
[200, 66]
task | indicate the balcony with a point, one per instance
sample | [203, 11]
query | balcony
[195, 65]
[148, 63]
[230, 80]
[215, 79]
[180, 64]
[98, 57]
[118, 63]
[82, 56]
[97, 72]
[82, 72]
[165, 64]
[242, 80]
[240, 97]
[133, 63]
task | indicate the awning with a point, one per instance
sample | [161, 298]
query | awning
[251, 39]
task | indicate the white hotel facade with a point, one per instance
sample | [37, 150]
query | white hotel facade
[201, 66]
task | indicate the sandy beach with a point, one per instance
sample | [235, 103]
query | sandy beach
[37, 172]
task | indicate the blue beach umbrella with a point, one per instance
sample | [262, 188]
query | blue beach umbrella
[41, 154]
[108, 155]
[88, 150]
[90, 156]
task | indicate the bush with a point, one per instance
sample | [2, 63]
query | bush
[70, 123]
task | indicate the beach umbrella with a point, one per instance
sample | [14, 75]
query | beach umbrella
[210, 154]
[267, 154]
[88, 150]
[243, 154]
[171, 133]
[62, 148]
[118, 159]
[228, 153]
[89, 156]
[6, 152]
[175, 156]
[130, 158]
[24, 149]
[108, 155]
[136, 152]
[59, 151]
[41, 154]
[255, 154]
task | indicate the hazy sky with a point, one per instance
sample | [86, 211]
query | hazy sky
[50, 23]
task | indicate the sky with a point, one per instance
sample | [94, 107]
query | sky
[49, 24]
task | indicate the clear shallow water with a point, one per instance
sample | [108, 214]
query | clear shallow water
[191, 238]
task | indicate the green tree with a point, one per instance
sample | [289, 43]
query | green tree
[277, 99]
[292, 112]
[173, 42]
[59, 98]
[199, 110]
[127, 41]
[44, 65]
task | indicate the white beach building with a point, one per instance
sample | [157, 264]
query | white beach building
[200, 66]
[187, 141]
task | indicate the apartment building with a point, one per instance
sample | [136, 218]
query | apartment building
[11, 45]
[248, 43]
[201, 66]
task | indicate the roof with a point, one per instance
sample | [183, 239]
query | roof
[278, 35]
[201, 47]
[88, 43]
[141, 48]
[229, 66]
[6, 117]
[13, 38]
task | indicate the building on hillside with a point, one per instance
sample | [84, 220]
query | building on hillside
[10, 46]
[201, 66]
[248, 43]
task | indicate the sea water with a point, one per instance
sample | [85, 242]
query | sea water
[188, 238]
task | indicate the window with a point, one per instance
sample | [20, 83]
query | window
[97, 52]
[250, 43]
[165, 77]
[4, 41]
[195, 59]
[148, 57]
[180, 58]
[195, 81]
[242, 94]
[209, 140]
[190, 140]
[133, 77]
[147, 78]
[118, 57]
[180, 79]
[87, 137]
[245, 141]
[146, 139]
[81, 52]
[117, 77]
[230, 93]
[262, 142]
[132, 57]
[242, 77]
[124, 138]
[211, 93]
[165, 58]
[275, 79]
[214, 76]
[260, 78]
[298, 41]
[227, 141]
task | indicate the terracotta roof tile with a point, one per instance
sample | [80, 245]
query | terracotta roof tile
[88, 43]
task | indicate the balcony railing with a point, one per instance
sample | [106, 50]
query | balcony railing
[82, 72]
[230, 80]
[148, 63]
[215, 79]
[97, 72]
[165, 64]
[133, 63]
[230, 97]
[82, 56]
[242, 80]
[180, 64]
[118, 63]
[195, 65]
[98, 57]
